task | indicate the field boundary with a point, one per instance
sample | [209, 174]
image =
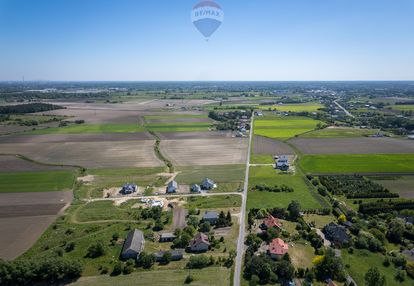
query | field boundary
[158, 152]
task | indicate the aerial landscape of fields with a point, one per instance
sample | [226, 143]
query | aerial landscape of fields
[76, 191]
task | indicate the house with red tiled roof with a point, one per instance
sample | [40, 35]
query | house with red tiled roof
[270, 222]
[277, 248]
[199, 243]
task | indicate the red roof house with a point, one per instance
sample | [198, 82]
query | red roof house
[278, 248]
[271, 221]
[199, 243]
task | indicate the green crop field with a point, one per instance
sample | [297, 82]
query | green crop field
[213, 276]
[24, 182]
[364, 163]
[305, 107]
[267, 175]
[361, 260]
[179, 127]
[175, 116]
[283, 127]
[88, 128]
[407, 107]
[339, 132]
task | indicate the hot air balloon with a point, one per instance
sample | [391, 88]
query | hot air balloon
[207, 17]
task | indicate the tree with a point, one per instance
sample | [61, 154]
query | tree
[129, 266]
[400, 275]
[294, 210]
[96, 250]
[193, 221]
[167, 257]
[205, 227]
[146, 260]
[396, 231]
[254, 281]
[373, 278]
[118, 268]
[198, 262]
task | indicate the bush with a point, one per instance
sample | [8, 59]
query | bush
[118, 268]
[188, 279]
[96, 250]
[70, 247]
[198, 262]
[146, 260]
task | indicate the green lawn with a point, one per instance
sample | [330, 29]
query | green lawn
[339, 132]
[49, 181]
[104, 210]
[90, 128]
[362, 260]
[365, 163]
[213, 276]
[202, 202]
[302, 107]
[267, 175]
[179, 127]
[283, 127]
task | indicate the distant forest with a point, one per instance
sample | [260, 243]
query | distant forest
[28, 108]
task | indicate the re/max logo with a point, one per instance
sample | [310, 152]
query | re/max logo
[204, 13]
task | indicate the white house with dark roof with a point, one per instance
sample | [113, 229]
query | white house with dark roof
[172, 187]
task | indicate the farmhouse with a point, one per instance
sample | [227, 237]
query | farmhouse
[271, 222]
[211, 217]
[167, 237]
[277, 248]
[172, 187]
[196, 188]
[128, 189]
[208, 184]
[336, 234]
[176, 255]
[133, 245]
[282, 163]
[199, 243]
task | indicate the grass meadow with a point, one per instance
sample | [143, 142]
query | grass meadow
[179, 127]
[48, 181]
[339, 132]
[355, 163]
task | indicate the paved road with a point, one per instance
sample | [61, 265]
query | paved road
[346, 111]
[242, 230]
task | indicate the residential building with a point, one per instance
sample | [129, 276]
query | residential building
[196, 188]
[176, 255]
[336, 234]
[270, 222]
[167, 237]
[277, 248]
[133, 245]
[172, 187]
[199, 243]
[208, 184]
[128, 189]
[211, 217]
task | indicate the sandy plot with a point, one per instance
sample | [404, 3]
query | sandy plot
[15, 164]
[205, 151]
[195, 135]
[264, 145]
[56, 138]
[89, 154]
[353, 145]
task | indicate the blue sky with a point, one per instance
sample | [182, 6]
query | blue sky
[155, 40]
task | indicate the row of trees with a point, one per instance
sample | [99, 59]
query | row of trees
[47, 271]
[28, 108]
[273, 189]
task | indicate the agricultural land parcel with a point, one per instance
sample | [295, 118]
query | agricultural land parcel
[267, 175]
[283, 127]
[305, 107]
